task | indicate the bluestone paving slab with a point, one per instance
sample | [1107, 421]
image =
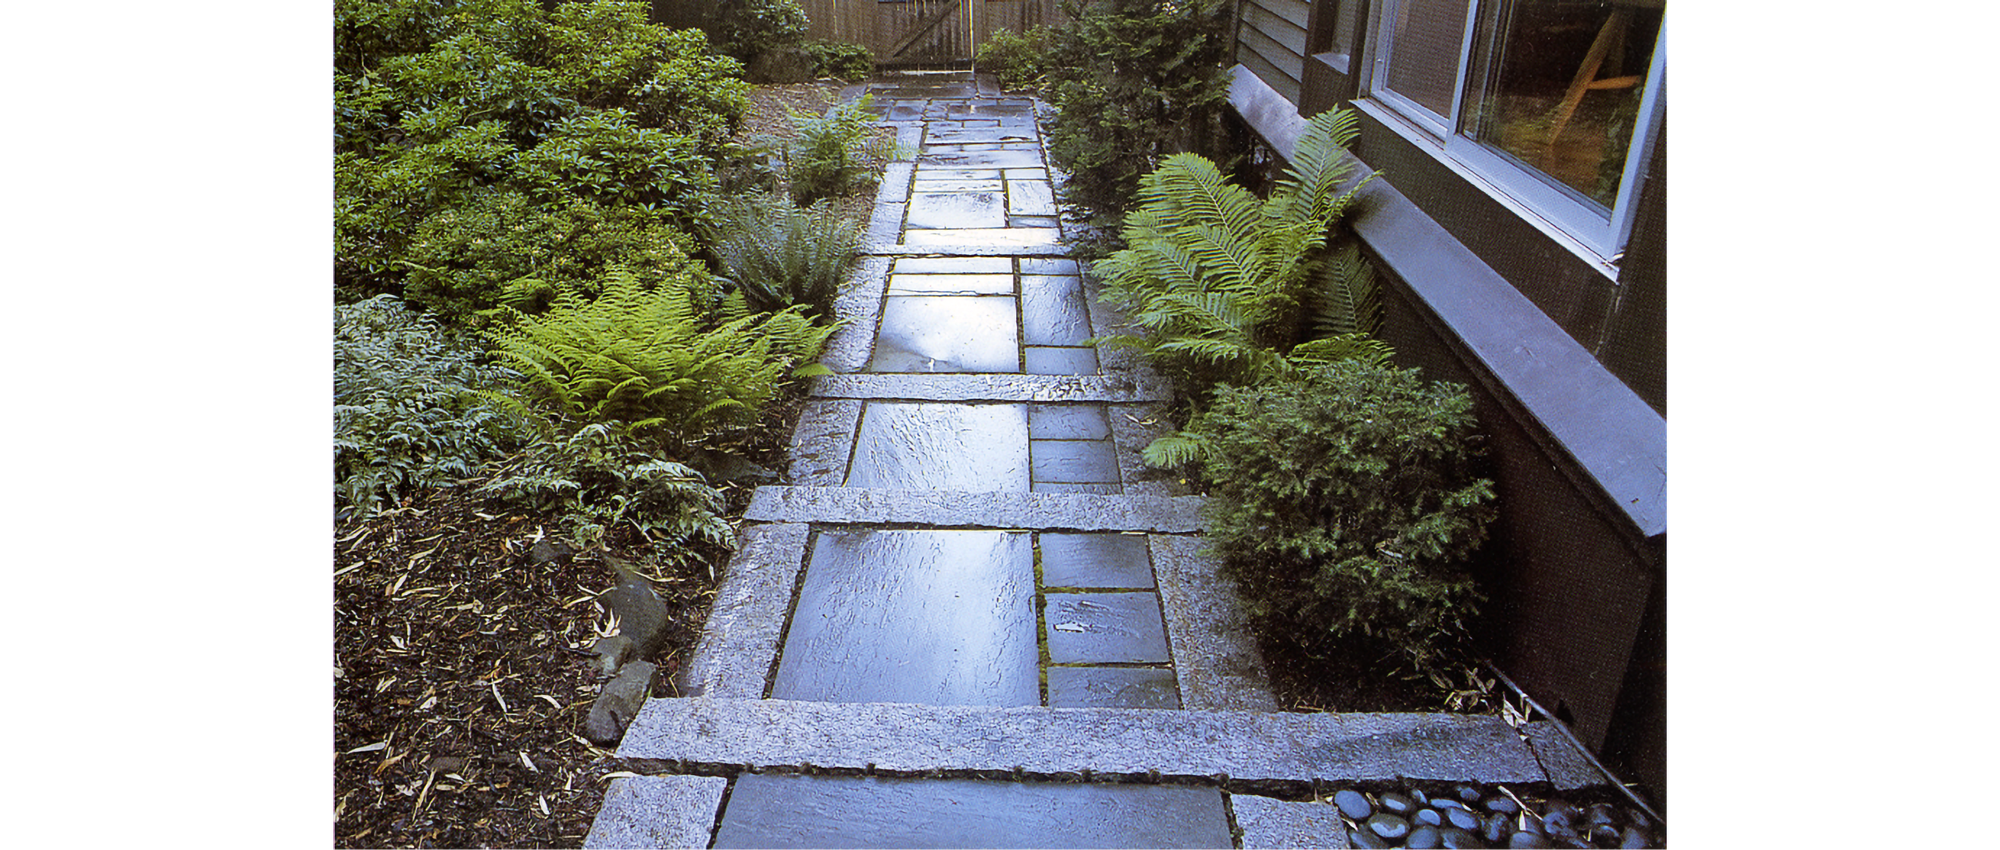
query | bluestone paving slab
[1046, 360]
[1097, 487]
[1068, 422]
[1048, 221]
[1052, 311]
[1268, 823]
[1049, 265]
[657, 811]
[1560, 759]
[982, 159]
[1252, 749]
[947, 333]
[1095, 560]
[985, 509]
[1030, 197]
[954, 265]
[951, 284]
[828, 811]
[1216, 656]
[1072, 462]
[927, 172]
[942, 187]
[1105, 628]
[933, 617]
[995, 238]
[1112, 687]
[991, 387]
[926, 245]
[955, 209]
[941, 446]
[733, 658]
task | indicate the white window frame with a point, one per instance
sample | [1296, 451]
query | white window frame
[1582, 220]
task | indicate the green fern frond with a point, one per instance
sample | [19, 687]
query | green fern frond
[1176, 451]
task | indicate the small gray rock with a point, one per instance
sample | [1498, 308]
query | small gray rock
[618, 703]
[1424, 837]
[1461, 819]
[1396, 803]
[1353, 804]
[1453, 837]
[1634, 837]
[612, 653]
[1427, 817]
[1389, 826]
[641, 615]
[1527, 840]
[547, 550]
[1366, 838]
[1502, 803]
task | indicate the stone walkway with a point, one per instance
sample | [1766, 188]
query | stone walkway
[971, 619]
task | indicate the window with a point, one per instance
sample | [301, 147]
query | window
[1555, 102]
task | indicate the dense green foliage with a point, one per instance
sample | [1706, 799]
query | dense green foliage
[1015, 58]
[745, 28]
[600, 477]
[1132, 82]
[1233, 289]
[648, 359]
[834, 153]
[447, 111]
[840, 59]
[1345, 503]
[408, 405]
[780, 255]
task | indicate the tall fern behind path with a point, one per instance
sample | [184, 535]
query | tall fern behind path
[1228, 286]
[644, 358]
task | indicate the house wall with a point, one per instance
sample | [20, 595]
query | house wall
[1566, 364]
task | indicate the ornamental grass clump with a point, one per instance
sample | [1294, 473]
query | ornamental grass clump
[1344, 501]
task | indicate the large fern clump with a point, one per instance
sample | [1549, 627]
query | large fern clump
[1233, 289]
[408, 405]
[648, 360]
[781, 255]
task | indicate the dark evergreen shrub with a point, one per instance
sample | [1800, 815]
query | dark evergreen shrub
[1345, 503]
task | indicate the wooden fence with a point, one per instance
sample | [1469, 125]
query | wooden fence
[924, 33]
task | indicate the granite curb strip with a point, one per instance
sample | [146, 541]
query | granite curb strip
[1215, 652]
[1115, 388]
[657, 811]
[959, 509]
[1241, 749]
[859, 305]
[823, 443]
[740, 642]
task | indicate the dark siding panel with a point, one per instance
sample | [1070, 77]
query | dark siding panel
[1292, 36]
[1295, 11]
[1635, 347]
[1272, 75]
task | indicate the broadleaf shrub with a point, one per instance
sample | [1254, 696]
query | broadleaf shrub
[409, 405]
[843, 60]
[1345, 502]
[1016, 59]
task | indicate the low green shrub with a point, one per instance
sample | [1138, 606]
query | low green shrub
[1344, 502]
[748, 27]
[781, 255]
[463, 262]
[599, 477]
[408, 405]
[647, 360]
[608, 158]
[1016, 59]
[843, 60]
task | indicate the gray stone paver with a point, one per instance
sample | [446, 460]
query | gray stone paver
[967, 418]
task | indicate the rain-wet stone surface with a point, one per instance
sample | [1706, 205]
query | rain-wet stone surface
[956, 209]
[1099, 628]
[1268, 823]
[924, 446]
[1072, 462]
[822, 811]
[657, 811]
[1095, 560]
[1068, 422]
[1060, 361]
[932, 617]
[1112, 687]
[1052, 311]
[938, 333]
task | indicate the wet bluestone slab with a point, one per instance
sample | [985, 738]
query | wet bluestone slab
[657, 811]
[1030, 197]
[961, 134]
[1045, 360]
[1095, 560]
[939, 187]
[1102, 488]
[928, 173]
[1049, 265]
[1068, 422]
[1053, 511]
[828, 811]
[1251, 747]
[991, 387]
[1072, 462]
[1112, 687]
[951, 284]
[1105, 628]
[938, 446]
[982, 159]
[932, 617]
[1052, 310]
[996, 238]
[940, 333]
[962, 210]
[954, 265]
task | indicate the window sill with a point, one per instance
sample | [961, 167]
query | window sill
[1422, 139]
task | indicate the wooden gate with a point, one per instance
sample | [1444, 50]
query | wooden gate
[923, 33]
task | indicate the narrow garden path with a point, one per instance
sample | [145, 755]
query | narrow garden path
[969, 619]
